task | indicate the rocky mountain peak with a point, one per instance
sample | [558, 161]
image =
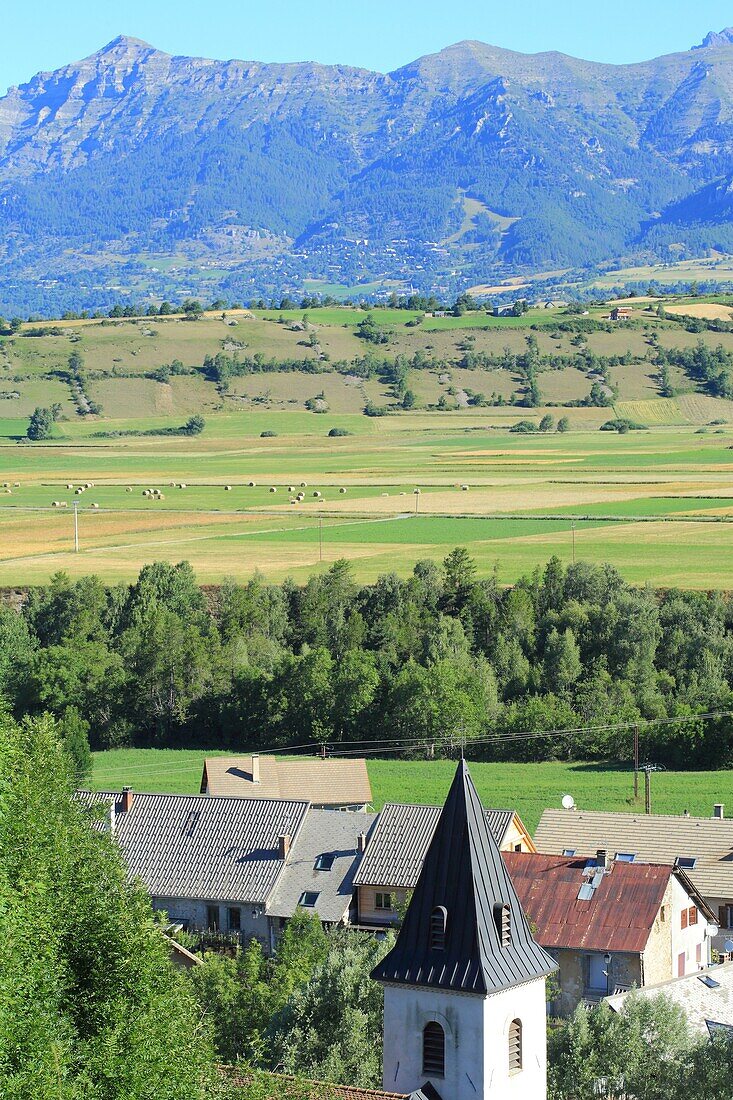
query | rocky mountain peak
[716, 39]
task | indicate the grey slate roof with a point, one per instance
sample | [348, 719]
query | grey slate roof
[204, 848]
[698, 1000]
[654, 838]
[464, 873]
[399, 844]
[324, 832]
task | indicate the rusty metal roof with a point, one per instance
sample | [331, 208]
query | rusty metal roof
[397, 848]
[321, 1090]
[328, 782]
[618, 917]
[654, 838]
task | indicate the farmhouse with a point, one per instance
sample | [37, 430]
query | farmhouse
[328, 784]
[700, 846]
[237, 866]
[621, 313]
[397, 848]
[610, 924]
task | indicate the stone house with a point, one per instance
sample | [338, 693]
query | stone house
[611, 924]
[397, 848]
[236, 865]
[702, 847]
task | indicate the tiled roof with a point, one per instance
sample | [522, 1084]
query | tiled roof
[400, 841]
[618, 917]
[700, 1001]
[324, 833]
[317, 1090]
[328, 782]
[194, 846]
[654, 838]
[463, 875]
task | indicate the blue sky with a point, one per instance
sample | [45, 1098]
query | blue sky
[372, 33]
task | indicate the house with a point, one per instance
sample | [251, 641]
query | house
[397, 848]
[701, 846]
[236, 865]
[705, 998]
[325, 783]
[464, 984]
[621, 313]
[209, 863]
[298, 1088]
[319, 872]
[611, 924]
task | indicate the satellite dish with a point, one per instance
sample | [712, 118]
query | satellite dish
[728, 946]
[568, 802]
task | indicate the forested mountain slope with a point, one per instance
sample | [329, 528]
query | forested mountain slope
[475, 157]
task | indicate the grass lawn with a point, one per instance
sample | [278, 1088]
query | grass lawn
[528, 788]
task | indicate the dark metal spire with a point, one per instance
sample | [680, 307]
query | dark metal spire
[487, 944]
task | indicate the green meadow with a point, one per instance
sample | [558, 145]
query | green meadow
[528, 788]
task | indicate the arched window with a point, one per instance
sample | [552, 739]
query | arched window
[503, 921]
[438, 919]
[433, 1050]
[515, 1046]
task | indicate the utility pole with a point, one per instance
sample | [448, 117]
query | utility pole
[647, 790]
[636, 762]
[417, 500]
[76, 527]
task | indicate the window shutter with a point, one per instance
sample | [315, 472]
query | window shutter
[515, 1046]
[433, 1050]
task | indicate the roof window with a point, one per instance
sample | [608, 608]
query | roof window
[625, 857]
[308, 899]
[686, 862]
[325, 861]
[569, 851]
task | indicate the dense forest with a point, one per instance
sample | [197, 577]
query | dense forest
[429, 661]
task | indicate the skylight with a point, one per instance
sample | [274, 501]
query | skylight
[708, 981]
[568, 851]
[308, 899]
[687, 862]
[325, 862]
[625, 857]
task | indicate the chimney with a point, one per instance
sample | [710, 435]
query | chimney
[283, 846]
[719, 811]
[361, 842]
[602, 858]
[126, 799]
[255, 767]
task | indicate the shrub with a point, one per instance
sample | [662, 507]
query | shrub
[335, 432]
[268, 435]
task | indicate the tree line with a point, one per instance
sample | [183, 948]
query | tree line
[438, 655]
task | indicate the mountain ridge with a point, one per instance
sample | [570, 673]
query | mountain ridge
[285, 171]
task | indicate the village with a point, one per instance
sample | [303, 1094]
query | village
[606, 906]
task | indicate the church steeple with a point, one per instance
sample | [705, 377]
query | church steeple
[464, 985]
[464, 928]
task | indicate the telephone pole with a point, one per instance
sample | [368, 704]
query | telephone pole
[647, 790]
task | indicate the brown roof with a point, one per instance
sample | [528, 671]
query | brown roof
[322, 782]
[618, 917]
[653, 838]
[318, 1090]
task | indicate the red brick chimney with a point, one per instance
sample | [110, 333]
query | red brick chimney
[361, 842]
[127, 797]
[283, 846]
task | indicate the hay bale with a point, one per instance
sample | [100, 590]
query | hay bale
[6, 485]
[300, 497]
[128, 489]
[95, 506]
[78, 492]
[342, 490]
[69, 485]
[89, 485]
[146, 492]
[252, 484]
[227, 488]
[16, 485]
[161, 496]
[183, 485]
[291, 488]
[316, 493]
[464, 488]
[273, 488]
[304, 484]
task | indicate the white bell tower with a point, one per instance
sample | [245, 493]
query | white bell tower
[464, 985]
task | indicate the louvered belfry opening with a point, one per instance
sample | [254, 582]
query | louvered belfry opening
[503, 920]
[515, 1046]
[438, 919]
[433, 1050]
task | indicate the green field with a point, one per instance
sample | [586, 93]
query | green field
[513, 499]
[528, 788]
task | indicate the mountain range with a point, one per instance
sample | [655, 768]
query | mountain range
[136, 172]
